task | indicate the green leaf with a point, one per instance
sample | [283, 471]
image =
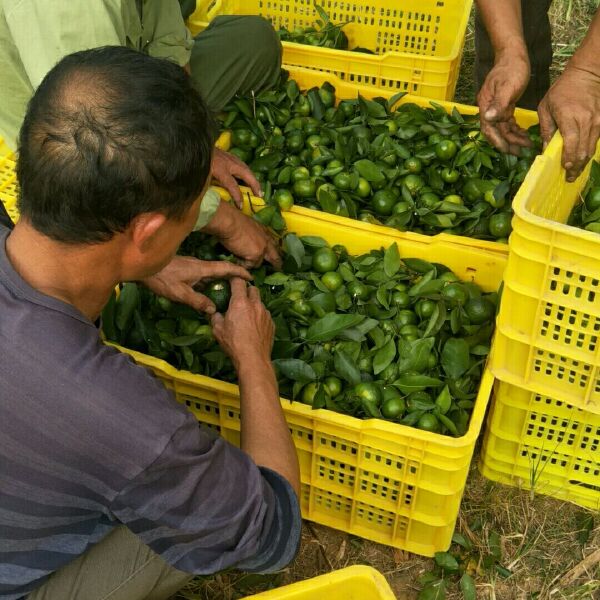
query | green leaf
[414, 356]
[411, 382]
[444, 401]
[327, 327]
[184, 340]
[382, 297]
[320, 399]
[276, 279]
[495, 545]
[434, 591]
[295, 369]
[418, 265]
[585, 525]
[448, 423]
[446, 561]
[467, 587]
[345, 367]
[313, 241]
[461, 540]
[455, 320]
[367, 325]
[437, 319]
[391, 260]
[394, 100]
[372, 108]
[370, 171]
[455, 357]
[324, 16]
[416, 290]
[294, 247]
[384, 356]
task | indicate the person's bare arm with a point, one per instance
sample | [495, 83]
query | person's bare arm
[246, 334]
[509, 77]
[572, 105]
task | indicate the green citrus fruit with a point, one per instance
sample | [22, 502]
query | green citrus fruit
[343, 181]
[424, 308]
[592, 200]
[358, 290]
[333, 386]
[449, 175]
[368, 392]
[393, 408]
[219, 291]
[383, 202]
[400, 299]
[455, 292]
[324, 260]
[446, 149]
[429, 200]
[413, 183]
[413, 164]
[480, 310]
[284, 199]
[500, 225]
[300, 174]
[363, 190]
[305, 188]
[332, 280]
[405, 317]
[429, 422]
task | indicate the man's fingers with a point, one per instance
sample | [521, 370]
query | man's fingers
[494, 136]
[254, 293]
[513, 136]
[243, 172]
[198, 301]
[217, 322]
[272, 255]
[224, 268]
[238, 288]
[547, 124]
[231, 185]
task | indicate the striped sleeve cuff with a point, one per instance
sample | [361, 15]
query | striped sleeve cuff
[281, 544]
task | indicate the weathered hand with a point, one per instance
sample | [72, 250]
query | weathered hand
[246, 331]
[497, 99]
[572, 105]
[226, 168]
[177, 280]
[248, 240]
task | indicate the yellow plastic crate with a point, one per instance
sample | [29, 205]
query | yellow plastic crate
[344, 90]
[379, 480]
[548, 337]
[418, 43]
[353, 583]
[537, 442]
[8, 183]
[382, 481]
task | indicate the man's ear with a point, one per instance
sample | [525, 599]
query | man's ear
[144, 228]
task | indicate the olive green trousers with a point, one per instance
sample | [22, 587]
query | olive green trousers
[120, 567]
[538, 37]
[235, 54]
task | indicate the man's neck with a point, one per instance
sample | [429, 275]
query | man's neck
[81, 275]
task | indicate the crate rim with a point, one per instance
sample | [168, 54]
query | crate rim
[364, 426]
[455, 52]
[536, 172]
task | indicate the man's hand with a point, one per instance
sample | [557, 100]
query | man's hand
[572, 105]
[177, 280]
[248, 240]
[497, 99]
[226, 168]
[246, 331]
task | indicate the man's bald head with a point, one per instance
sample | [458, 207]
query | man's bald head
[110, 134]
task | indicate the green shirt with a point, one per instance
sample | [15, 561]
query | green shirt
[36, 34]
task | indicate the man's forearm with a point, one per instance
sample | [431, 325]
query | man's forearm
[265, 435]
[587, 56]
[503, 22]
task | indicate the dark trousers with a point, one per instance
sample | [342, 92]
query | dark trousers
[538, 37]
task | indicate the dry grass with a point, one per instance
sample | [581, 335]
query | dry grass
[539, 542]
[540, 537]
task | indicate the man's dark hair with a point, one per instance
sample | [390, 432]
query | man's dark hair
[109, 134]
